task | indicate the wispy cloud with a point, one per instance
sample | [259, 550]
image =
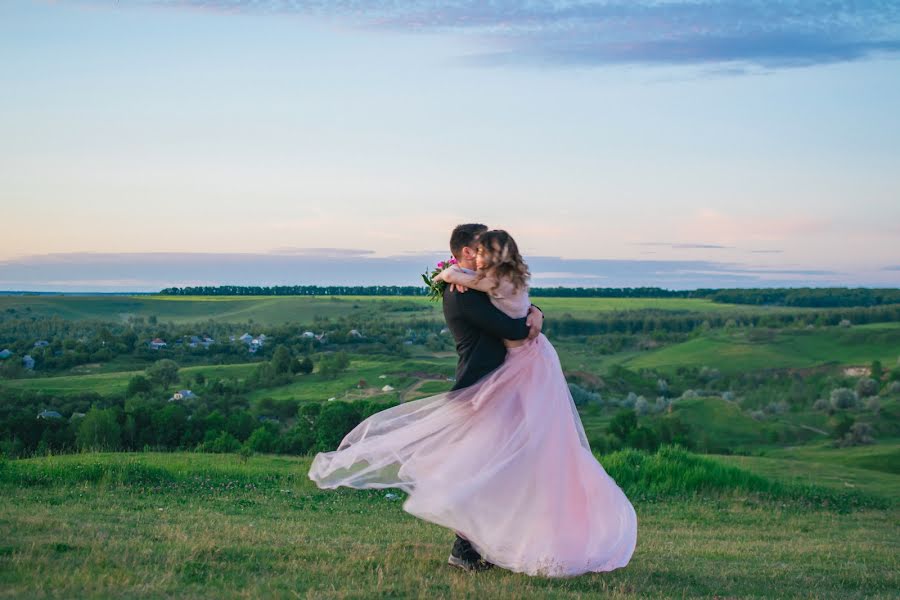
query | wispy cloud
[322, 252]
[683, 246]
[762, 33]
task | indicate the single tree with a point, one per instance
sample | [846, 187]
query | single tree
[163, 372]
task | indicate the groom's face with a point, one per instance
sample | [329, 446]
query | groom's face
[467, 256]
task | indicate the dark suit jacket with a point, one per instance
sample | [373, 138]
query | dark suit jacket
[479, 329]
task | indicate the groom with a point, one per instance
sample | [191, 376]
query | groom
[479, 329]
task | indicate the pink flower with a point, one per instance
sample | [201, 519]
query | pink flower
[453, 261]
[440, 265]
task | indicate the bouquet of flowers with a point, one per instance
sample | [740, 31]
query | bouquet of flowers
[436, 288]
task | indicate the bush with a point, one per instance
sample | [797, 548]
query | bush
[842, 398]
[777, 408]
[300, 439]
[604, 443]
[335, 421]
[99, 430]
[894, 387]
[866, 387]
[641, 406]
[333, 364]
[673, 472]
[873, 404]
[223, 444]
[859, 434]
[281, 360]
[583, 397]
[262, 440]
[841, 425]
[304, 366]
[622, 425]
[138, 385]
[163, 372]
[821, 404]
[643, 438]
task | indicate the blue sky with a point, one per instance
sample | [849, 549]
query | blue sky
[160, 142]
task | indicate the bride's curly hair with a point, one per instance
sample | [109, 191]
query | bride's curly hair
[501, 258]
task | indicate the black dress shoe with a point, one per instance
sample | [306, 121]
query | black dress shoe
[465, 557]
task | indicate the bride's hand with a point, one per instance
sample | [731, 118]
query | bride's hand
[535, 322]
[458, 287]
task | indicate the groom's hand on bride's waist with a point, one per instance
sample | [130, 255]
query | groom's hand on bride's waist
[535, 322]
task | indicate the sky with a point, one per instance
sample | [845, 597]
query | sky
[678, 143]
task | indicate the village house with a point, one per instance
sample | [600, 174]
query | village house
[41, 344]
[182, 395]
[28, 362]
[197, 341]
[5, 353]
[157, 344]
[49, 414]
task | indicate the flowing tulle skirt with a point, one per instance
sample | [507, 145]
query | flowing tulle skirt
[504, 462]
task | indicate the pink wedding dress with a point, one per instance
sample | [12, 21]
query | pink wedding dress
[504, 462]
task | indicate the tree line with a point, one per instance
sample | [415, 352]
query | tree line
[798, 297]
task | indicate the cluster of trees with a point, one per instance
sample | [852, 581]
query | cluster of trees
[650, 321]
[297, 290]
[626, 430]
[144, 425]
[809, 297]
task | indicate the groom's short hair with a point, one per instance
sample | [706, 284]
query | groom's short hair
[465, 235]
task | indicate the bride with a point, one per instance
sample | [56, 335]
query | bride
[505, 461]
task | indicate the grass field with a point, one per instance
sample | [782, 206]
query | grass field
[884, 456]
[271, 310]
[116, 382]
[791, 348]
[377, 373]
[201, 526]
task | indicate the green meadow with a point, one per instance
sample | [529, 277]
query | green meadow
[268, 310]
[734, 351]
[199, 526]
[773, 497]
[107, 384]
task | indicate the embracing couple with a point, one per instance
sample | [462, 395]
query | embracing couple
[502, 458]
